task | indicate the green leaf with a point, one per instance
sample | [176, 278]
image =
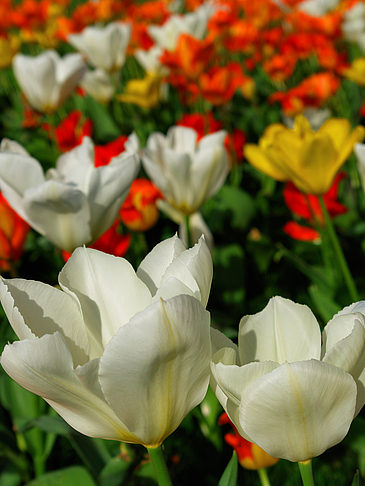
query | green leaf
[104, 127]
[10, 478]
[326, 306]
[229, 477]
[356, 480]
[48, 423]
[70, 476]
[114, 472]
[231, 204]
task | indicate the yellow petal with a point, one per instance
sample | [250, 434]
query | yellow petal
[317, 166]
[261, 161]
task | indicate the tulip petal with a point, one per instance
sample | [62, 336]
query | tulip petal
[157, 367]
[108, 187]
[44, 367]
[299, 410]
[60, 212]
[35, 309]
[220, 341]
[18, 173]
[348, 353]
[194, 268]
[108, 289]
[283, 331]
[230, 381]
[208, 173]
[260, 160]
[154, 265]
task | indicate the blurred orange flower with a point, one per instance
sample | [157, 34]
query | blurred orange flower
[250, 455]
[139, 211]
[13, 232]
[312, 92]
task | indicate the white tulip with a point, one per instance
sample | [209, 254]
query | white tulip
[118, 354]
[104, 47]
[195, 24]
[353, 25]
[281, 388]
[186, 171]
[73, 204]
[47, 80]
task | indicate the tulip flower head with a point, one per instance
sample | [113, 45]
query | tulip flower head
[187, 172]
[104, 47]
[47, 80]
[118, 354]
[73, 204]
[283, 390]
[307, 158]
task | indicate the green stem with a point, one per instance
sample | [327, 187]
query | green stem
[339, 253]
[188, 233]
[159, 465]
[306, 473]
[264, 478]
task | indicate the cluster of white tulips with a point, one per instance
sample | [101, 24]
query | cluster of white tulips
[126, 355]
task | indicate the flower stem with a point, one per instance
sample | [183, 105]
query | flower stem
[264, 478]
[188, 232]
[339, 253]
[159, 465]
[305, 468]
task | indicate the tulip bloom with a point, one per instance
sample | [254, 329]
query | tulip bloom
[104, 47]
[118, 354]
[13, 233]
[47, 80]
[307, 158]
[281, 389]
[186, 172]
[76, 202]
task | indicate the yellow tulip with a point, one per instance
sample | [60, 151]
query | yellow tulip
[308, 158]
[356, 72]
[144, 92]
[8, 48]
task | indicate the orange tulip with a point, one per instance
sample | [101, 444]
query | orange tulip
[13, 232]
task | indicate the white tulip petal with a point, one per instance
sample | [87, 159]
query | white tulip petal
[60, 212]
[209, 172]
[220, 341]
[155, 170]
[77, 165]
[20, 172]
[156, 368]
[299, 410]
[44, 367]
[12, 147]
[194, 267]
[349, 355]
[283, 331]
[108, 289]
[109, 186]
[182, 139]
[172, 286]
[36, 309]
[234, 380]
[341, 325]
[154, 265]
